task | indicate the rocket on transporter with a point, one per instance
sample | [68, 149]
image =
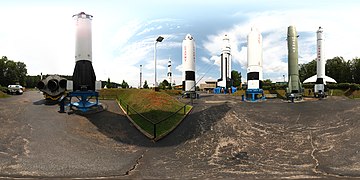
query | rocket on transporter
[84, 76]
[225, 67]
[320, 78]
[188, 64]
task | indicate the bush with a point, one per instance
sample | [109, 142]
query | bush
[3, 89]
[354, 87]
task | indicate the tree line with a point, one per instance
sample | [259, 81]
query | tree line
[12, 72]
[343, 71]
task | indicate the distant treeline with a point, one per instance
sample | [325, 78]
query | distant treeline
[343, 71]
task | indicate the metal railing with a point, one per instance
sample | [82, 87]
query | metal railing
[131, 111]
[146, 123]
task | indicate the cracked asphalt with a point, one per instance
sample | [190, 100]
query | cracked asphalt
[222, 138]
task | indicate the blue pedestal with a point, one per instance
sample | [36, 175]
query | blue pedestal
[253, 94]
[84, 98]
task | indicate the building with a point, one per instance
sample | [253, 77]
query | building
[209, 85]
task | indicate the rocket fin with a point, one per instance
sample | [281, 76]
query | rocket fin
[329, 79]
[311, 79]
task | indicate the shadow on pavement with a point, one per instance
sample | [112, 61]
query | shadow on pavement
[119, 128]
[45, 102]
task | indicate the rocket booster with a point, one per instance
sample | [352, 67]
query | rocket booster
[188, 63]
[294, 85]
[84, 76]
[254, 59]
[225, 68]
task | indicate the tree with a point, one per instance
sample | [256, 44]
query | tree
[339, 69]
[108, 83]
[267, 82]
[12, 72]
[307, 70]
[146, 86]
[355, 70]
[124, 85]
[164, 84]
[236, 77]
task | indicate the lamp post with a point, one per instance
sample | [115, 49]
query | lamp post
[159, 39]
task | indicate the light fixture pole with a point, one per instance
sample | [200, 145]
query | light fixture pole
[159, 39]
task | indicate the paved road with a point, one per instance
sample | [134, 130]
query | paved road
[221, 138]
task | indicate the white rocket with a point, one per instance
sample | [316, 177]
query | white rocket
[84, 76]
[188, 63]
[169, 74]
[320, 78]
[254, 59]
[225, 67]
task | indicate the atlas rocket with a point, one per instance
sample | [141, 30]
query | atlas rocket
[320, 78]
[225, 67]
[294, 84]
[254, 60]
[169, 74]
[84, 76]
[188, 64]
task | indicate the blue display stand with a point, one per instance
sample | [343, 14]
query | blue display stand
[84, 97]
[219, 90]
[251, 94]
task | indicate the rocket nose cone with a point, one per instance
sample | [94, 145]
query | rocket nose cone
[291, 31]
[188, 36]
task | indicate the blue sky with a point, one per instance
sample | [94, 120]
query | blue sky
[41, 34]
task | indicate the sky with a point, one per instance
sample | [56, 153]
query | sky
[41, 34]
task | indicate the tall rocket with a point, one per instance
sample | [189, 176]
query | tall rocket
[169, 74]
[84, 76]
[320, 78]
[254, 60]
[294, 85]
[188, 63]
[225, 68]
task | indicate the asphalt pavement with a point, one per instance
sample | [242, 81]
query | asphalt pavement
[223, 137]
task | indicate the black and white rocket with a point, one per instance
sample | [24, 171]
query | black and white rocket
[84, 76]
[320, 78]
[225, 66]
[188, 64]
[254, 59]
[169, 74]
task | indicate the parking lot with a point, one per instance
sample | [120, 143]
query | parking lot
[222, 138]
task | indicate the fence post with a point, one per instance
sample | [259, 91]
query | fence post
[127, 109]
[154, 131]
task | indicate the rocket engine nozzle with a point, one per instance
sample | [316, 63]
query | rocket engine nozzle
[52, 86]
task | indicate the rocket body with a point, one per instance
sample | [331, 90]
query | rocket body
[169, 74]
[254, 60]
[294, 85]
[320, 63]
[225, 66]
[320, 77]
[188, 63]
[84, 76]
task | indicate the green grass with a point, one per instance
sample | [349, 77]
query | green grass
[155, 106]
[3, 95]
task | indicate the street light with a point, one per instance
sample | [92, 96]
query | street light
[159, 39]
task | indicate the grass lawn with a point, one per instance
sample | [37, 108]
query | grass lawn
[154, 106]
[3, 95]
